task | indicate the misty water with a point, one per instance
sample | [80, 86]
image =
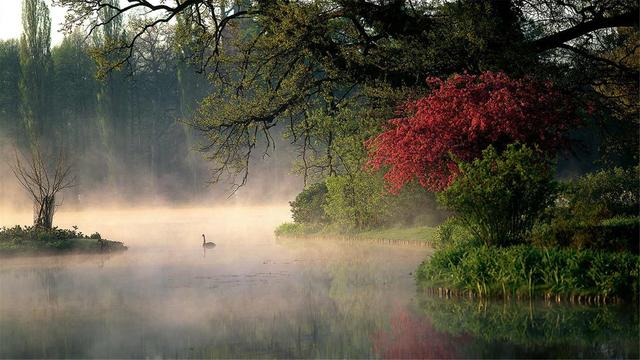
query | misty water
[257, 296]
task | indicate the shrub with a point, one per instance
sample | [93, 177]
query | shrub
[38, 234]
[449, 232]
[500, 196]
[291, 229]
[598, 210]
[60, 244]
[34, 238]
[413, 206]
[605, 194]
[615, 234]
[308, 207]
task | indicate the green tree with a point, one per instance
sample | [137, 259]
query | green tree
[113, 97]
[75, 98]
[356, 201]
[192, 87]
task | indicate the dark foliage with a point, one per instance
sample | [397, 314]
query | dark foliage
[598, 210]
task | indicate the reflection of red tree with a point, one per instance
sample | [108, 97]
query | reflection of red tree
[414, 338]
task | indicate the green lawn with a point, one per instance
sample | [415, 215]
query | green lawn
[406, 233]
[419, 233]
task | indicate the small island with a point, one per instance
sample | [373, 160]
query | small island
[31, 240]
[43, 177]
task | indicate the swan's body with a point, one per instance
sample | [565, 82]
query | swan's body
[207, 245]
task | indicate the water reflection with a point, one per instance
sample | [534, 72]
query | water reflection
[411, 336]
[537, 329]
[255, 296]
[251, 296]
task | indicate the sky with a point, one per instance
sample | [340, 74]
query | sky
[11, 20]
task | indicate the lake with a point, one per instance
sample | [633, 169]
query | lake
[256, 296]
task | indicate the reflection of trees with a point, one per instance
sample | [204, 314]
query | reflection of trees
[49, 284]
[413, 337]
[344, 295]
[569, 329]
[367, 285]
[363, 284]
[330, 309]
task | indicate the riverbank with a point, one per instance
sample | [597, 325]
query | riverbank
[422, 235]
[525, 271]
[27, 240]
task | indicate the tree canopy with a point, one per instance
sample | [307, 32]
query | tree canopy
[270, 62]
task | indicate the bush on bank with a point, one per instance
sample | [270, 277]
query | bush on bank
[308, 207]
[295, 229]
[500, 196]
[518, 233]
[595, 211]
[619, 233]
[358, 203]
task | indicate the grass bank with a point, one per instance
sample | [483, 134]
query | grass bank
[416, 234]
[525, 271]
[27, 240]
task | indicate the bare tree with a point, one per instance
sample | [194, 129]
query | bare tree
[43, 177]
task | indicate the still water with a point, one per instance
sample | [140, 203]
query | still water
[257, 296]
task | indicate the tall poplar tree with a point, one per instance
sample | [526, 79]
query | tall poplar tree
[10, 122]
[36, 68]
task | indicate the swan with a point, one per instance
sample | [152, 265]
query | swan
[207, 245]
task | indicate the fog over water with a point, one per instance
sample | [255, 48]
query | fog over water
[257, 296]
[251, 295]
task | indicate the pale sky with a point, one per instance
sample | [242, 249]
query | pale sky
[11, 20]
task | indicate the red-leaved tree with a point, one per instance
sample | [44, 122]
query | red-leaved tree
[460, 118]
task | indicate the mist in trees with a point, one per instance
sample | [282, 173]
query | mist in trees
[328, 77]
[125, 129]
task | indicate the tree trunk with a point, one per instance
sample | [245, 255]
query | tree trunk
[44, 212]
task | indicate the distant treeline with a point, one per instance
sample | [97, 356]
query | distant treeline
[123, 130]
